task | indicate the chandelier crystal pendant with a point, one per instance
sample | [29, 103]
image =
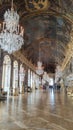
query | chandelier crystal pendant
[11, 33]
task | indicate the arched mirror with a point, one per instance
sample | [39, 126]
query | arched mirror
[21, 78]
[15, 78]
[6, 74]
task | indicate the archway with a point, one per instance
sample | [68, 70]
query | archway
[15, 78]
[6, 74]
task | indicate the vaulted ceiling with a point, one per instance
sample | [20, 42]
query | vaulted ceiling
[47, 24]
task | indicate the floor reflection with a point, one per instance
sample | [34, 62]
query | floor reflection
[39, 110]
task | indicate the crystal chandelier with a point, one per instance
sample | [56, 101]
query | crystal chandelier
[58, 73]
[45, 76]
[11, 34]
[39, 68]
[22, 73]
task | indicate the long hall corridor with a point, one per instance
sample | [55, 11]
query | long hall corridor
[39, 110]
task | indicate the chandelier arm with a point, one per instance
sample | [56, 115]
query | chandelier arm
[12, 5]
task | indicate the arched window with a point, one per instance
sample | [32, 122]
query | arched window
[6, 73]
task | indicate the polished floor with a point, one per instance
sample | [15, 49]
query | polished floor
[39, 110]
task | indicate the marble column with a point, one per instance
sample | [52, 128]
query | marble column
[18, 74]
[26, 80]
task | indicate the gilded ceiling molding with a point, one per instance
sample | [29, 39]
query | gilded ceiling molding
[22, 58]
[69, 17]
[38, 13]
[69, 53]
[0, 2]
[67, 59]
[37, 5]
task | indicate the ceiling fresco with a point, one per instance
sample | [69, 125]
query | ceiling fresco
[52, 33]
[47, 24]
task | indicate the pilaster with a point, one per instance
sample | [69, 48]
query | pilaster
[11, 78]
[1, 67]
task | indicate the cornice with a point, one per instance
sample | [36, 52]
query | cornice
[24, 60]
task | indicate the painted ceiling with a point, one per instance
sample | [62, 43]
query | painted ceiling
[48, 25]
